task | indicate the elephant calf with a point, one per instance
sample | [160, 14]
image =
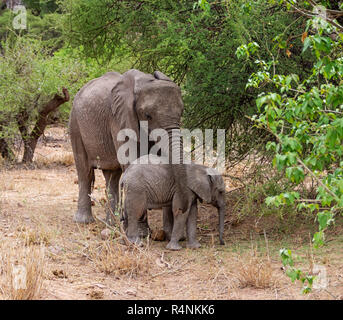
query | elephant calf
[152, 186]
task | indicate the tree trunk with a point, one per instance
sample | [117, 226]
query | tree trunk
[12, 3]
[30, 141]
[5, 150]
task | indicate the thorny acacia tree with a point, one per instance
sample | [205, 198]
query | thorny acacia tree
[32, 85]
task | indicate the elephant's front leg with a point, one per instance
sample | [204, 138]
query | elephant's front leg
[178, 229]
[112, 188]
[168, 221]
[132, 231]
[134, 207]
[192, 227]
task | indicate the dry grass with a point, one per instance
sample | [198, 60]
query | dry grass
[6, 185]
[21, 272]
[36, 237]
[114, 258]
[255, 271]
[64, 158]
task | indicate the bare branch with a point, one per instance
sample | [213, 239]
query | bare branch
[317, 179]
[310, 14]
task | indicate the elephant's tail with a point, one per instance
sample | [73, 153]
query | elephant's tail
[121, 202]
[92, 182]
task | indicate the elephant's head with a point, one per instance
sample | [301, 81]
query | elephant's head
[156, 99]
[209, 186]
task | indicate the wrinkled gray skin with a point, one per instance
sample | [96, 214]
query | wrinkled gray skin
[113, 102]
[152, 186]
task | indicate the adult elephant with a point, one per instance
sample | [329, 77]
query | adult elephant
[113, 102]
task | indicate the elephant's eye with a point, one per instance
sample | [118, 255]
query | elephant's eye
[148, 116]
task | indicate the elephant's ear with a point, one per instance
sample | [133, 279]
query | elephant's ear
[123, 103]
[200, 182]
[161, 76]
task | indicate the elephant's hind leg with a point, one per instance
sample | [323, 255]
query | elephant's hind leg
[86, 178]
[143, 225]
[84, 211]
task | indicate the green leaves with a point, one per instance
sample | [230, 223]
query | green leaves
[286, 257]
[242, 52]
[283, 160]
[307, 43]
[306, 119]
[318, 239]
[321, 44]
[291, 144]
[286, 198]
[245, 50]
[294, 273]
[325, 218]
[30, 77]
[306, 131]
[295, 174]
[203, 4]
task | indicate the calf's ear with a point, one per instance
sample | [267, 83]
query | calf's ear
[200, 183]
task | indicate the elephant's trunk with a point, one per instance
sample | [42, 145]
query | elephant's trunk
[221, 213]
[180, 201]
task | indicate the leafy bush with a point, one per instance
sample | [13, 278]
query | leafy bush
[45, 28]
[306, 118]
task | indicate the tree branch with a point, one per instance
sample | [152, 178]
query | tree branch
[310, 14]
[30, 141]
[317, 179]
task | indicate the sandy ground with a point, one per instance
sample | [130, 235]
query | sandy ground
[37, 206]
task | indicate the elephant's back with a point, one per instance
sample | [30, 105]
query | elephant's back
[154, 180]
[96, 91]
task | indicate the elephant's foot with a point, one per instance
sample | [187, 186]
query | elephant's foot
[83, 217]
[193, 245]
[168, 236]
[136, 241]
[172, 245]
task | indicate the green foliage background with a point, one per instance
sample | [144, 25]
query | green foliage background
[196, 48]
